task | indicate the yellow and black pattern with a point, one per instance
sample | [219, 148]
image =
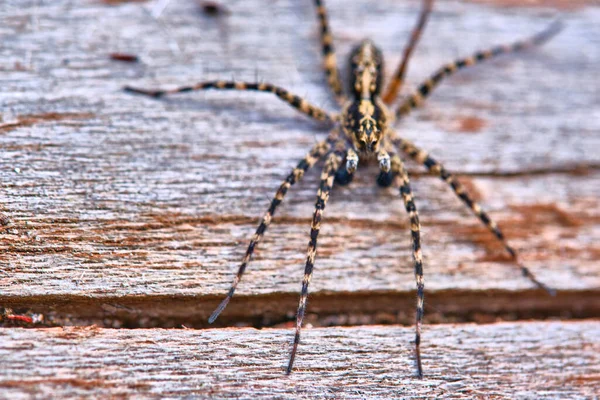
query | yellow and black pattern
[363, 131]
[365, 123]
[297, 173]
[438, 169]
[415, 231]
[416, 99]
[398, 79]
[295, 101]
[329, 60]
[327, 176]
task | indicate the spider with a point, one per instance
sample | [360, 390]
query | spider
[363, 131]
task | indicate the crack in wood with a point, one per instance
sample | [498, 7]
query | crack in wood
[326, 309]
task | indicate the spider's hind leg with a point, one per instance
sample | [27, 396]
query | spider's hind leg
[398, 79]
[329, 61]
[293, 100]
[424, 90]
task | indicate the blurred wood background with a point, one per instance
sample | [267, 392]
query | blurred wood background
[126, 212]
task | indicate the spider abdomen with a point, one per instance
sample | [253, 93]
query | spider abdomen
[366, 70]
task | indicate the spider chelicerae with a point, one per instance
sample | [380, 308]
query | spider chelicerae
[363, 131]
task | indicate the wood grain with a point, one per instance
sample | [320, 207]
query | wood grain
[506, 360]
[131, 211]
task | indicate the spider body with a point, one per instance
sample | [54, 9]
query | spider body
[365, 118]
[364, 130]
[366, 70]
[365, 122]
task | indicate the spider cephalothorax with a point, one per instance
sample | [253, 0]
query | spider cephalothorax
[365, 124]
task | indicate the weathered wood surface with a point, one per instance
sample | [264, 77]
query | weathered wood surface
[507, 360]
[118, 202]
[126, 211]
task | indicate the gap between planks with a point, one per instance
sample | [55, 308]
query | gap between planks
[326, 309]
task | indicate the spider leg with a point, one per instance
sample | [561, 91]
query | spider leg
[437, 169]
[297, 173]
[295, 101]
[396, 84]
[327, 177]
[329, 60]
[424, 90]
[415, 230]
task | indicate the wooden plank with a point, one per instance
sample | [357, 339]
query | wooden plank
[505, 360]
[114, 198]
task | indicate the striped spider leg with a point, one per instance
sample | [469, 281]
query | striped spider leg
[363, 132]
[295, 101]
[397, 81]
[315, 154]
[397, 175]
[425, 89]
[332, 164]
[318, 151]
[437, 169]
[398, 172]
[365, 123]
[329, 60]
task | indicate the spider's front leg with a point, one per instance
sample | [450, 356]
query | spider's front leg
[295, 101]
[316, 153]
[327, 177]
[399, 171]
[438, 169]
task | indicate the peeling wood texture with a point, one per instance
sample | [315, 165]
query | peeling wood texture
[531, 360]
[124, 211]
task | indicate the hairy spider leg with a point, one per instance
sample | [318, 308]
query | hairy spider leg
[398, 79]
[317, 152]
[415, 230]
[438, 169]
[295, 101]
[424, 90]
[327, 176]
[329, 60]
